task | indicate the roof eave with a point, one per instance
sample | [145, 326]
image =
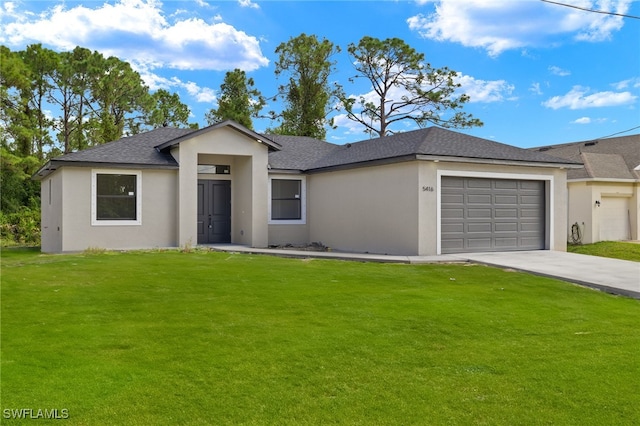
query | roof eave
[498, 161]
[53, 165]
[596, 179]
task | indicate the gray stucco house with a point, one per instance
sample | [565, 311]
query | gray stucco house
[423, 192]
[604, 194]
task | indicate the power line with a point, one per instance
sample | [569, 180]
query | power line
[592, 10]
[624, 131]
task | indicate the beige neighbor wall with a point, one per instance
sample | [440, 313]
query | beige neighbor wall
[368, 209]
[555, 188]
[157, 228]
[51, 213]
[583, 210]
[249, 185]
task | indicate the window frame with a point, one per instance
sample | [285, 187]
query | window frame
[94, 198]
[303, 201]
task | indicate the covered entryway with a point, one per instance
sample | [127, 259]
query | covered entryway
[214, 211]
[480, 214]
[614, 219]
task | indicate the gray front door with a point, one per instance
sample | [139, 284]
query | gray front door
[214, 211]
[491, 214]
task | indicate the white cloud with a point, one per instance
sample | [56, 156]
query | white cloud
[582, 120]
[625, 84]
[138, 30]
[501, 25]
[535, 88]
[578, 98]
[248, 3]
[201, 94]
[155, 82]
[559, 71]
[485, 91]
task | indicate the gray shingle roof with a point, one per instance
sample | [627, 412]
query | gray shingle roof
[298, 152]
[308, 154]
[611, 158]
[135, 150]
[432, 141]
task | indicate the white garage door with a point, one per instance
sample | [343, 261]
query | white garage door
[614, 218]
[491, 215]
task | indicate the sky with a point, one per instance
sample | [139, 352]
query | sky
[537, 73]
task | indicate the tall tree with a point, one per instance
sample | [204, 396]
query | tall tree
[308, 92]
[405, 88]
[166, 110]
[41, 63]
[16, 131]
[70, 91]
[238, 101]
[118, 93]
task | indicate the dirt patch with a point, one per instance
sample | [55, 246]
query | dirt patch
[314, 246]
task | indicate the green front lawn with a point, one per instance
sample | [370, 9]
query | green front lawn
[614, 249]
[172, 338]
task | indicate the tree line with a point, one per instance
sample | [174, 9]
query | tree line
[55, 103]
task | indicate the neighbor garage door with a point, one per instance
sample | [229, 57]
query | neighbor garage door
[614, 219]
[491, 214]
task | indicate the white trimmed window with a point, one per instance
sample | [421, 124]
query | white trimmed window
[287, 200]
[116, 198]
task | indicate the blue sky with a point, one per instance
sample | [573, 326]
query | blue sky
[537, 73]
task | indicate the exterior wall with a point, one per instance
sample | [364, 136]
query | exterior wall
[583, 210]
[51, 213]
[369, 209]
[430, 178]
[394, 208]
[158, 221]
[249, 185]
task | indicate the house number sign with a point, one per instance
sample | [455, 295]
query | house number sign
[427, 188]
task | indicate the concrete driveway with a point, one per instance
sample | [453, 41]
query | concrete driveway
[610, 275]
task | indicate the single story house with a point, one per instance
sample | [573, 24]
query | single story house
[423, 192]
[604, 194]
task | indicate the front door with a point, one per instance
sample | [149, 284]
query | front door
[214, 211]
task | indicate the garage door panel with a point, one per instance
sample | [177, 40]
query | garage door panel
[504, 184]
[474, 213]
[479, 227]
[505, 199]
[453, 245]
[453, 182]
[506, 227]
[529, 213]
[506, 213]
[479, 214]
[478, 243]
[453, 198]
[453, 213]
[533, 185]
[530, 226]
[479, 199]
[529, 243]
[453, 228]
[477, 183]
[530, 200]
[505, 243]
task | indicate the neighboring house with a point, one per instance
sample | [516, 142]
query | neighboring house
[422, 192]
[604, 195]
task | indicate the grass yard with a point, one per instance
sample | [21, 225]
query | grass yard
[172, 338]
[614, 249]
